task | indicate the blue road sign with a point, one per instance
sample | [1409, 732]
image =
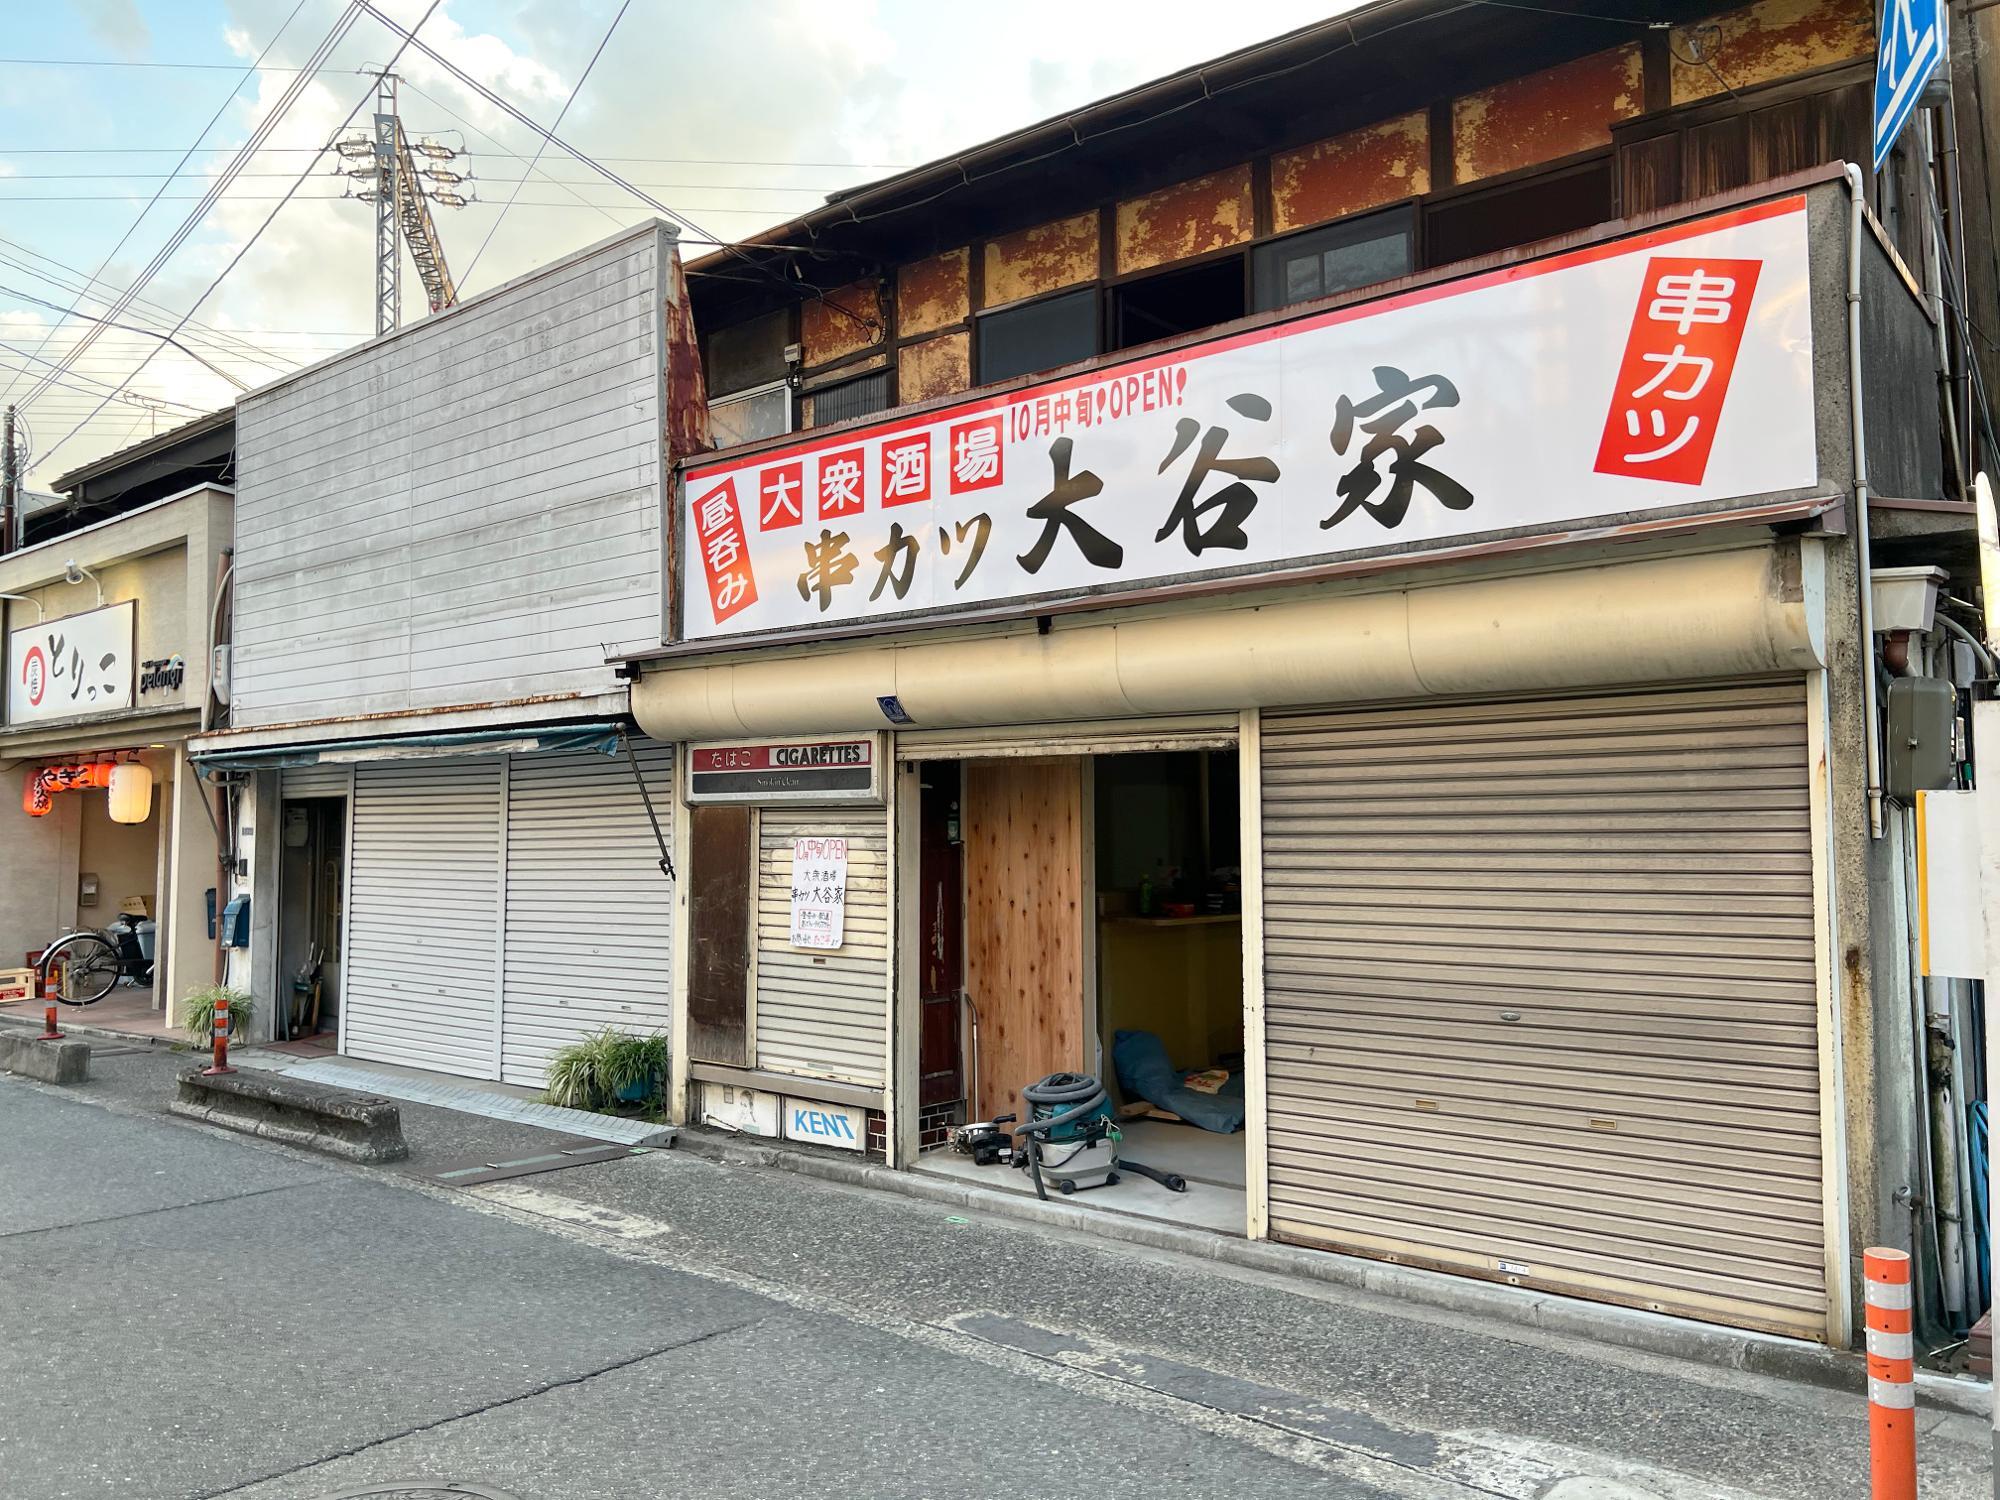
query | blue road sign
[1910, 49]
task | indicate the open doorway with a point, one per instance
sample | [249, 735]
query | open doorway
[1101, 935]
[1169, 967]
[312, 848]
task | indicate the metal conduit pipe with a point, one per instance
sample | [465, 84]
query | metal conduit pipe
[1863, 567]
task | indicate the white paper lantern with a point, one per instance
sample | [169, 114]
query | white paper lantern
[131, 793]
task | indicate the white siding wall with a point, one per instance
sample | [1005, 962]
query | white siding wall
[465, 513]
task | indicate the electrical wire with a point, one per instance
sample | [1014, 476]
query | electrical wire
[543, 144]
[65, 364]
[675, 161]
[244, 249]
[186, 156]
[265, 128]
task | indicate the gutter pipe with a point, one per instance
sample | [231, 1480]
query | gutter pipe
[1864, 567]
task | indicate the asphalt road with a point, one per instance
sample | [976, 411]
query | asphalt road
[184, 1313]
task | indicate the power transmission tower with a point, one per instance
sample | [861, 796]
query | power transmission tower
[402, 194]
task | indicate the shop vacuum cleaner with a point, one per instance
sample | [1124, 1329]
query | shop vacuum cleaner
[1070, 1137]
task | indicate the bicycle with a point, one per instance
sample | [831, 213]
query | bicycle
[92, 962]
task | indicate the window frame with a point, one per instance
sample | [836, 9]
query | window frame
[1350, 230]
[1094, 291]
[750, 393]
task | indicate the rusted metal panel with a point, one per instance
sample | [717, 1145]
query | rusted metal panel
[1189, 218]
[1546, 115]
[934, 293]
[846, 319]
[1770, 40]
[687, 398]
[1029, 262]
[935, 367]
[1364, 168]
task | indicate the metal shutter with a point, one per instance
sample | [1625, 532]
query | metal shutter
[1540, 1000]
[823, 1014]
[419, 984]
[589, 913]
[315, 781]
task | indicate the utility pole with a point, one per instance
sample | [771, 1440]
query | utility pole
[10, 482]
[402, 193]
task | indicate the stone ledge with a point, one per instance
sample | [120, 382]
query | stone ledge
[355, 1127]
[62, 1062]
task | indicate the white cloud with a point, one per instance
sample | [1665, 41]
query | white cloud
[115, 24]
[714, 94]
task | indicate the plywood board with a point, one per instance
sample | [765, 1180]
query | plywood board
[1024, 943]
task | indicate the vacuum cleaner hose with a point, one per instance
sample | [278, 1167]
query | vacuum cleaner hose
[1072, 1095]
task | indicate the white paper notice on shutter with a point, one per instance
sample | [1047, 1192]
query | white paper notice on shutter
[819, 892]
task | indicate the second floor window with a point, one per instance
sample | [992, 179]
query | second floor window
[1338, 258]
[1039, 335]
[749, 415]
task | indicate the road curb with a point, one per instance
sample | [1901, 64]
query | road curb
[68, 1027]
[1613, 1327]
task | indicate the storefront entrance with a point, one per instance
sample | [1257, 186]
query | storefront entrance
[1101, 933]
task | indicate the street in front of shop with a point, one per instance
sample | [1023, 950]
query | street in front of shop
[802, 1334]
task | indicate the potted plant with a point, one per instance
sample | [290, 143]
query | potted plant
[198, 1014]
[609, 1072]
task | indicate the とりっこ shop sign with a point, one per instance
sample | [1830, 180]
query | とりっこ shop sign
[819, 892]
[80, 664]
[1671, 371]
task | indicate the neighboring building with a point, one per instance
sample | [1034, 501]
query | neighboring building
[1344, 560]
[109, 641]
[441, 535]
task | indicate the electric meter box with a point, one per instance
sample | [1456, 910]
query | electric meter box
[1919, 748]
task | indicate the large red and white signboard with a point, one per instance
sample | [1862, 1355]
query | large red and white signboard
[1665, 371]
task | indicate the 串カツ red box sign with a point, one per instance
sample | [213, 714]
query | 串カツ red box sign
[1666, 372]
[816, 770]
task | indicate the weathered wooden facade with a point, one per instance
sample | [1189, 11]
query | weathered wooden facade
[1544, 863]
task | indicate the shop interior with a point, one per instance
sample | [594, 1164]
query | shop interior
[1100, 934]
[121, 868]
[312, 846]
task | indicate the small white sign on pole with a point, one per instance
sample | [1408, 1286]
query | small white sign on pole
[819, 892]
[1951, 921]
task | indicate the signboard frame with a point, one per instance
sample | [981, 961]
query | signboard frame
[1373, 428]
[110, 628]
[757, 772]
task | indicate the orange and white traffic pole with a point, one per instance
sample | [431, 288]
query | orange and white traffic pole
[219, 1030]
[50, 983]
[1892, 1389]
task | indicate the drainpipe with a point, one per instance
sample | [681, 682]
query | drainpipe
[1863, 566]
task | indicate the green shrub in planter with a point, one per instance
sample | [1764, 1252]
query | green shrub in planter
[198, 1014]
[609, 1072]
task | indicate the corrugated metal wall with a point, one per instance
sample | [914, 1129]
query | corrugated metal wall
[823, 1014]
[419, 986]
[589, 939]
[465, 513]
[1540, 995]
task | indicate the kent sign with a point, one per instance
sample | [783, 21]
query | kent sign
[1670, 371]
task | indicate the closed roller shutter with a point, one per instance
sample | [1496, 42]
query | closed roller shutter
[824, 1014]
[589, 913]
[419, 985]
[1540, 996]
[315, 781]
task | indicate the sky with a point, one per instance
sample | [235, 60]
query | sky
[738, 115]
